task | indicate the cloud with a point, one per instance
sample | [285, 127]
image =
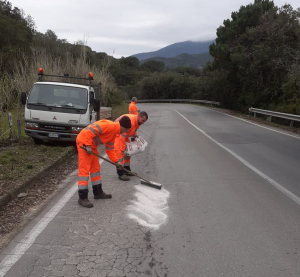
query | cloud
[132, 26]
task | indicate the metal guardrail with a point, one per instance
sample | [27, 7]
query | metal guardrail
[178, 100]
[292, 117]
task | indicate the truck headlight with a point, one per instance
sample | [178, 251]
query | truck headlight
[30, 125]
[76, 130]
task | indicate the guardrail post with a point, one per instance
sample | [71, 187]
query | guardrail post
[19, 126]
[254, 115]
[269, 118]
[292, 123]
[10, 122]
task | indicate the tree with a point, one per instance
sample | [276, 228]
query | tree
[153, 66]
[252, 50]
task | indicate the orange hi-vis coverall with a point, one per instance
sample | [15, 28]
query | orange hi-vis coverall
[120, 141]
[100, 132]
[132, 108]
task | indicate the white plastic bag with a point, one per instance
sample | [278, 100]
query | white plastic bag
[136, 146]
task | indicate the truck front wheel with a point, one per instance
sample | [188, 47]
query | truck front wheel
[37, 141]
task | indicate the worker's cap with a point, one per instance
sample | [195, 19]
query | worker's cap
[134, 99]
[125, 122]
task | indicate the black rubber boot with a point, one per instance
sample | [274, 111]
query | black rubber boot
[128, 168]
[120, 172]
[124, 178]
[99, 193]
[83, 198]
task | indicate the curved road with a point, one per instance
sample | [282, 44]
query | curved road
[229, 207]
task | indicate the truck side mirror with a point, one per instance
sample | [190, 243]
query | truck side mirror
[23, 98]
[97, 105]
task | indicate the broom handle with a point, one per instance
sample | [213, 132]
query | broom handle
[126, 170]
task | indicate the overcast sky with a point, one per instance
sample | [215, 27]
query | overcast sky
[127, 27]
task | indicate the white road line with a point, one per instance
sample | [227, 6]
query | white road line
[30, 238]
[264, 176]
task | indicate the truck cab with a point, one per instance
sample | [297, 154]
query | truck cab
[58, 111]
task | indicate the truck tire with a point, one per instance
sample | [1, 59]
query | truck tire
[37, 141]
[23, 98]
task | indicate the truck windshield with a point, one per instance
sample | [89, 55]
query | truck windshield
[58, 96]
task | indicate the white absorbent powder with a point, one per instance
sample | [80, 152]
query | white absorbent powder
[150, 207]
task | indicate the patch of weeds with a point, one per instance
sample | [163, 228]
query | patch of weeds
[43, 149]
[13, 160]
[3, 160]
[118, 110]
[8, 178]
[29, 166]
[58, 149]
[9, 153]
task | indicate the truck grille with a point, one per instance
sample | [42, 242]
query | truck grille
[50, 127]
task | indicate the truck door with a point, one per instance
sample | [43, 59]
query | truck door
[93, 114]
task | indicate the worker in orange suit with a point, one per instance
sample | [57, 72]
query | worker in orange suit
[120, 141]
[100, 132]
[132, 106]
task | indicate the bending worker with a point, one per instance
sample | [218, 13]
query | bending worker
[120, 141]
[132, 107]
[100, 132]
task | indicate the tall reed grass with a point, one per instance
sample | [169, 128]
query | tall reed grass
[25, 74]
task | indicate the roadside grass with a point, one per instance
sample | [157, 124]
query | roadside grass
[4, 123]
[21, 159]
[118, 110]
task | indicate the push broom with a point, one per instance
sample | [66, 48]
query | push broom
[143, 181]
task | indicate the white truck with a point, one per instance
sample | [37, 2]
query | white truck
[58, 111]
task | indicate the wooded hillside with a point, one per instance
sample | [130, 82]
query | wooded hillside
[255, 62]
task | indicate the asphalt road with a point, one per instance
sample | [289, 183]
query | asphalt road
[229, 207]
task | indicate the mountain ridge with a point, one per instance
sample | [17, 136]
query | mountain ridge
[187, 60]
[175, 49]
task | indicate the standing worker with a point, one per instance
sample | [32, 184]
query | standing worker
[132, 107]
[100, 132]
[120, 141]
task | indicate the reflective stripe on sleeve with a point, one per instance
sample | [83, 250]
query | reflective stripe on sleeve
[93, 131]
[110, 143]
[99, 129]
[109, 148]
[97, 140]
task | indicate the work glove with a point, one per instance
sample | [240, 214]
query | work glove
[125, 154]
[88, 149]
[118, 166]
[134, 137]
